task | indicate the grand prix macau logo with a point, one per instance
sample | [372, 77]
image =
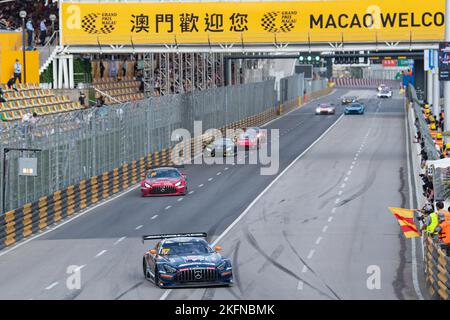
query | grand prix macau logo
[99, 23]
[279, 21]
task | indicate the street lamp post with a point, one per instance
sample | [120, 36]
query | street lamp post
[52, 19]
[23, 14]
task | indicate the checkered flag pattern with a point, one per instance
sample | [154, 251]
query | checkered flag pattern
[268, 22]
[88, 23]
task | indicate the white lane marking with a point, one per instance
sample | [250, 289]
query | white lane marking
[200, 185]
[167, 208]
[101, 253]
[343, 185]
[349, 172]
[318, 240]
[351, 167]
[337, 200]
[79, 268]
[80, 214]
[54, 284]
[138, 227]
[191, 192]
[300, 285]
[311, 253]
[226, 168]
[415, 275]
[333, 210]
[355, 158]
[324, 229]
[210, 179]
[180, 199]
[244, 213]
[304, 269]
[330, 219]
[346, 179]
[340, 192]
[119, 240]
[218, 173]
[353, 163]
[154, 217]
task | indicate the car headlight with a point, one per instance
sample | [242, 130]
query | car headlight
[222, 266]
[147, 185]
[169, 269]
[228, 148]
[178, 184]
[208, 149]
[317, 110]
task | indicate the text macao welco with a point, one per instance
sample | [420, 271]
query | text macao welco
[381, 20]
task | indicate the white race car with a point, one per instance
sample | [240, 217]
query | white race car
[385, 93]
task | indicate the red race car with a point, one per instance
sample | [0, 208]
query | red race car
[166, 181]
[252, 138]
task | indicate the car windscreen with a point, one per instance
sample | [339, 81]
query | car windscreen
[324, 106]
[223, 142]
[355, 105]
[185, 248]
[163, 173]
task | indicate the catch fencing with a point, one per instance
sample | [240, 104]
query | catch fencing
[437, 269]
[424, 130]
[79, 145]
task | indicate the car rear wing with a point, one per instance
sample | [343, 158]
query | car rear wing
[174, 235]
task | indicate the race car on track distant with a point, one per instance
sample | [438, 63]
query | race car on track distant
[252, 137]
[385, 93]
[221, 147]
[348, 100]
[185, 260]
[354, 108]
[164, 181]
[326, 108]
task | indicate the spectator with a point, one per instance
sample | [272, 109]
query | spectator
[102, 69]
[124, 67]
[82, 99]
[30, 32]
[100, 101]
[113, 69]
[43, 30]
[34, 118]
[17, 71]
[141, 86]
[11, 84]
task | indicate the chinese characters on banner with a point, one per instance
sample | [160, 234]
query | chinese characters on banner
[187, 23]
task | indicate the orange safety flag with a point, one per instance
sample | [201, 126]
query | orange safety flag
[405, 218]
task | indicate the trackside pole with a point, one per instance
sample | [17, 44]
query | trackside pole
[447, 83]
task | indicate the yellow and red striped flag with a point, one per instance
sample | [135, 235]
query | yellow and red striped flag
[405, 218]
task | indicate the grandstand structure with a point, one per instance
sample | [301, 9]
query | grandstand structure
[30, 98]
[118, 91]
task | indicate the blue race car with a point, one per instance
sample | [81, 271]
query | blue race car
[354, 108]
[185, 260]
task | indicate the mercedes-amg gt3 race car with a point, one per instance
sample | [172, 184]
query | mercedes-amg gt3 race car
[185, 260]
[164, 181]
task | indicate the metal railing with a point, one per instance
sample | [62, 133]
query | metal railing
[430, 147]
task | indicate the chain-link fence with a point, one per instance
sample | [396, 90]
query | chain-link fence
[79, 145]
[430, 147]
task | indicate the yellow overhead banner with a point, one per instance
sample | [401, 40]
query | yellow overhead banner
[252, 22]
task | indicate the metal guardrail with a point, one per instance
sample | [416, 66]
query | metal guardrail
[430, 148]
[437, 270]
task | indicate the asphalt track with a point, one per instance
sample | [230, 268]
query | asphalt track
[306, 218]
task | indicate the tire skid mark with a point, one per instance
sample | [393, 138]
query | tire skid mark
[309, 267]
[252, 241]
[274, 256]
[130, 289]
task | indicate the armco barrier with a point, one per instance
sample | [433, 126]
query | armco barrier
[34, 217]
[437, 270]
